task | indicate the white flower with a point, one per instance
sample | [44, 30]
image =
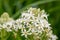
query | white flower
[8, 26]
[53, 37]
[25, 33]
[43, 14]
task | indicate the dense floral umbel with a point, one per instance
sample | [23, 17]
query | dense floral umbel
[33, 24]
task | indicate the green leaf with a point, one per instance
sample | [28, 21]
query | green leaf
[7, 7]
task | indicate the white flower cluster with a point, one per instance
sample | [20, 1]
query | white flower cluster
[33, 22]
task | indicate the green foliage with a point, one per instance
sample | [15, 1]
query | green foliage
[15, 7]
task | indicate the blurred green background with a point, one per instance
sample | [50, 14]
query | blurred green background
[52, 7]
